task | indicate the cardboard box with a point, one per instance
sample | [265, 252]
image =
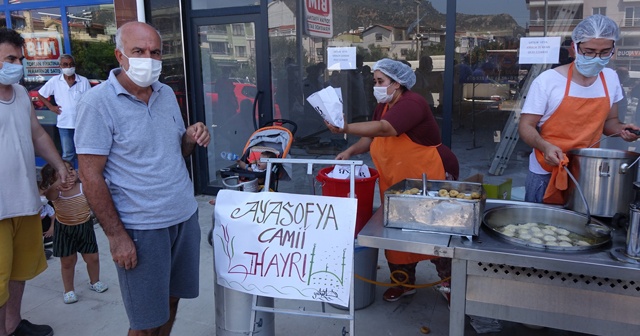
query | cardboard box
[498, 191]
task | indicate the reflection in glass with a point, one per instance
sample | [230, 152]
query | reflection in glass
[165, 16]
[42, 31]
[92, 30]
[208, 4]
[228, 76]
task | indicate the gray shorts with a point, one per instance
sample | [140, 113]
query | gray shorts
[168, 266]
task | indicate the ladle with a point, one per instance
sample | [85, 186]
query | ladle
[614, 134]
[424, 184]
[593, 228]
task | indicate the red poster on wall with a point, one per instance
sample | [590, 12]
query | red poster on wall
[319, 18]
[42, 52]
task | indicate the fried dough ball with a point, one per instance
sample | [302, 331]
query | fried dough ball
[460, 195]
[453, 193]
[443, 193]
[536, 240]
[468, 197]
[475, 195]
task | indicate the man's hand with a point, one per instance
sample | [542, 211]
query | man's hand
[630, 132]
[123, 251]
[199, 134]
[553, 155]
[56, 109]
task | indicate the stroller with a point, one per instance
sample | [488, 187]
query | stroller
[272, 137]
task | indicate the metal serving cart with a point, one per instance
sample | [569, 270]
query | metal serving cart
[588, 291]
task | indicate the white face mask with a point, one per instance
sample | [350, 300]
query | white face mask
[11, 73]
[143, 71]
[380, 92]
[68, 71]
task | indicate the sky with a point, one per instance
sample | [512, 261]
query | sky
[516, 8]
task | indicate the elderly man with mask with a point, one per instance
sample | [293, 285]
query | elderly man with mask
[67, 87]
[571, 106]
[131, 143]
[404, 141]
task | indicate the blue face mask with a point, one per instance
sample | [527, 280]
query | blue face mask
[11, 73]
[589, 67]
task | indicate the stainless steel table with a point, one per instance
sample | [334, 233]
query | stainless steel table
[587, 292]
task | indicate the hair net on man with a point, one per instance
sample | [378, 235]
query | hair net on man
[397, 71]
[595, 26]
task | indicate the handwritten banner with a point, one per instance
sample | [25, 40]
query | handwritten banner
[285, 245]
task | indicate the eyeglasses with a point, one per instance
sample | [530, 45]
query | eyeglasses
[67, 65]
[604, 55]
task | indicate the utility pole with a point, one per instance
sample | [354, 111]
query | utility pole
[418, 38]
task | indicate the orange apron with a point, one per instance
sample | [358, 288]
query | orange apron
[577, 123]
[399, 158]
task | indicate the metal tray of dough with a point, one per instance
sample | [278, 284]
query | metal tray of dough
[432, 212]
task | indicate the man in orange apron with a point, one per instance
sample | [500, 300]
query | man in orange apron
[404, 142]
[571, 106]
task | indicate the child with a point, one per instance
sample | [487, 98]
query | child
[47, 214]
[258, 166]
[73, 230]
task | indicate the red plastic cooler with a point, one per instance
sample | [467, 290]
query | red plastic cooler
[365, 189]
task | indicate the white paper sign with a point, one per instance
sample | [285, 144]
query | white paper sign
[344, 172]
[328, 103]
[341, 58]
[539, 50]
[285, 245]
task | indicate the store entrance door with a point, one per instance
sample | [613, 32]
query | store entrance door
[231, 86]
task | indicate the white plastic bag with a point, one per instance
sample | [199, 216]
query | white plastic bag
[328, 103]
[344, 172]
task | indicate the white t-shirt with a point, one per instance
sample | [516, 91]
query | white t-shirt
[547, 91]
[18, 191]
[66, 97]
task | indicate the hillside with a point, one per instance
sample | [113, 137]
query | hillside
[351, 14]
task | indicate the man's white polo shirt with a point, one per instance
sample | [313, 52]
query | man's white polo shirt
[66, 97]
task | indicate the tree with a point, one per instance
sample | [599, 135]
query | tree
[94, 59]
[376, 52]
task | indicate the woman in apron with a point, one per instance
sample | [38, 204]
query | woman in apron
[571, 106]
[404, 141]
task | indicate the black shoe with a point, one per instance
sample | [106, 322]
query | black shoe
[26, 328]
[48, 254]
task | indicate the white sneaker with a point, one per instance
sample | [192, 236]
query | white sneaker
[70, 297]
[99, 287]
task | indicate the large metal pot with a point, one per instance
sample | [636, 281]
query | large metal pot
[496, 218]
[606, 177]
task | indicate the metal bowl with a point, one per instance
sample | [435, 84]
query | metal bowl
[496, 218]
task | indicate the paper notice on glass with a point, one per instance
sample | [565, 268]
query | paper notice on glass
[328, 103]
[539, 50]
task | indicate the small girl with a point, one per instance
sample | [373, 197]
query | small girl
[73, 230]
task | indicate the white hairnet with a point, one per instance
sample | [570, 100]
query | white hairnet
[397, 71]
[595, 26]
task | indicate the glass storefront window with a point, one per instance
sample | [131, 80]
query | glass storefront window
[213, 4]
[489, 83]
[92, 31]
[165, 16]
[43, 33]
[15, 2]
